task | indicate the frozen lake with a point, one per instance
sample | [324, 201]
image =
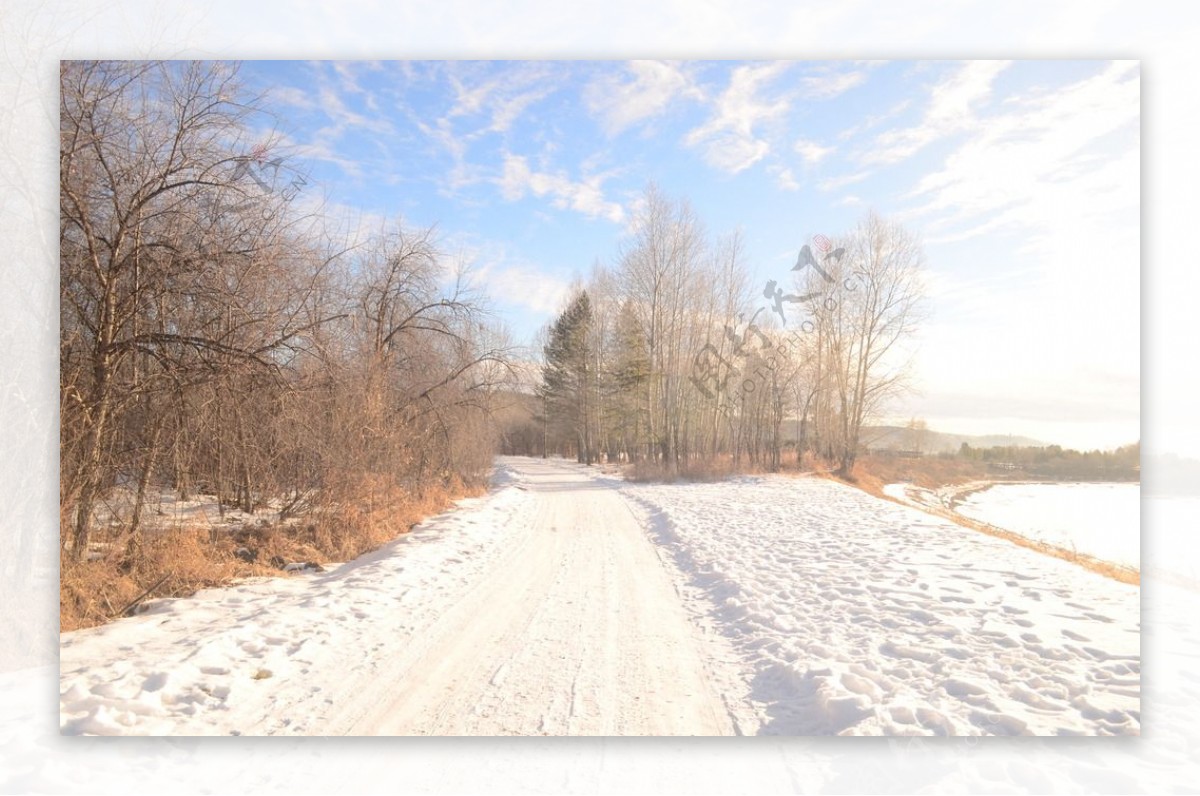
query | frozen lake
[1101, 520]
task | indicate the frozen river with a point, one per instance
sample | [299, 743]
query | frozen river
[1100, 520]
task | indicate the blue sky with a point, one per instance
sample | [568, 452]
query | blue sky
[1021, 178]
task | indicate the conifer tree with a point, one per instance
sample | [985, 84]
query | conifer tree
[568, 377]
[626, 381]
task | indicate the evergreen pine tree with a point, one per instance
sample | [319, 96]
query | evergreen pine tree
[567, 377]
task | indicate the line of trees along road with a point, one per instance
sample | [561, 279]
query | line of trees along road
[671, 357]
[217, 338]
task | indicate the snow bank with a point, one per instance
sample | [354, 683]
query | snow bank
[257, 657]
[852, 615]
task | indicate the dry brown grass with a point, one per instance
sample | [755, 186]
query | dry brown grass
[168, 563]
[1108, 569]
[177, 563]
[929, 472]
[703, 470]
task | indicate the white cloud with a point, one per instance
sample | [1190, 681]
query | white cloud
[290, 95]
[585, 196]
[874, 120]
[485, 102]
[348, 74]
[1059, 171]
[469, 100]
[731, 140]
[516, 179]
[785, 179]
[332, 104]
[323, 150]
[335, 83]
[647, 91]
[503, 98]
[828, 86]
[507, 110]
[525, 286]
[812, 152]
[320, 148]
[1042, 163]
[490, 268]
[951, 109]
[833, 183]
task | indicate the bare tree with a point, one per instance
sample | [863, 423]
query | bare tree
[659, 272]
[148, 267]
[862, 329]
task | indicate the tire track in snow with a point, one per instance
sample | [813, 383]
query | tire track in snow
[582, 618]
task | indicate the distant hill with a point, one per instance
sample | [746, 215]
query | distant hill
[900, 438]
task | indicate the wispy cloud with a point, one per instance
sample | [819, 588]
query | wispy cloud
[507, 110]
[293, 97]
[344, 117]
[834, 183]
[874, 120]
[441, 132]
[321, 149]
[349, 76]
[332, 100]
[1056, 171]
[484, 103]
[333, 103]
[510, 280]
[831, 84]
[812, 152]
[585, 196]
[951, 109]
[501, 98]
[731, 140]
[1045, 157]
[784, 178]
[645, 89]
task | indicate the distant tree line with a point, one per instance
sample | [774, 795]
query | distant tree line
[671, 357]
[1053, 462]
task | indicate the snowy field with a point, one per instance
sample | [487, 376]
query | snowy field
[567, 603]
[853, 615]
[1101, 520]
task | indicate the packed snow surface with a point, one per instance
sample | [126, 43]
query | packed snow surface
[539, 609]
[858, 616]
[566, 602]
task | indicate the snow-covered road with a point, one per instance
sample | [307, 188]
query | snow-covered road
[571, 628]
[543, 609]
[566, 602]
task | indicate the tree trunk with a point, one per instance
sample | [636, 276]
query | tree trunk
[144, 481]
